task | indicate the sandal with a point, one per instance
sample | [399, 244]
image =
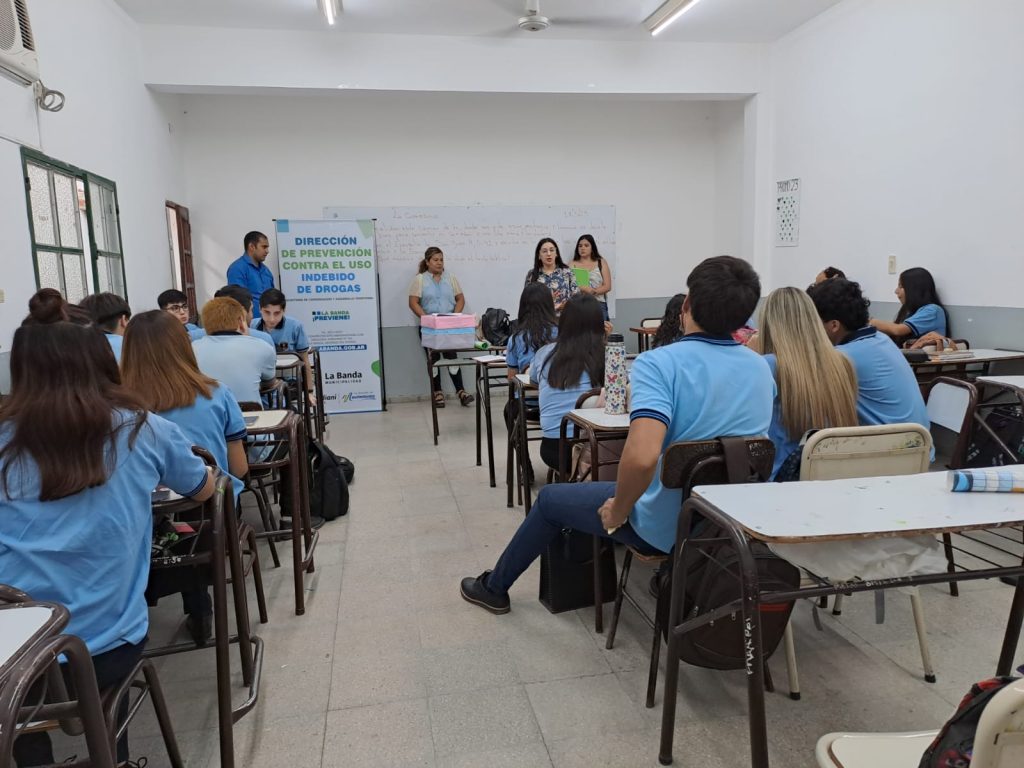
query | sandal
[439, 399]
[465, 398]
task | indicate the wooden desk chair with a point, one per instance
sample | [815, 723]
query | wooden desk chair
[76, 716]
[873, 451]
[645, 341]
[525, 429]
[685, 465]
[998, 740]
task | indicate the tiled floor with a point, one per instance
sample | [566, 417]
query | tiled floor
[390, 668]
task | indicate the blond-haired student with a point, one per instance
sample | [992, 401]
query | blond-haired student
[229, 354]
[816, 384]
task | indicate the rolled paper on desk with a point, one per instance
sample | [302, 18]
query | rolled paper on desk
[994, 480]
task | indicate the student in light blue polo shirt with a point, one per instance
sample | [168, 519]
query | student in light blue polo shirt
[887, 391]
[176, 302]
[79, 459]
[161, 368]
[111, 313]
[243, 297]
[920, 313]
[703, 386]
[230, 355]
[249, 269]
[570, 367]
[287, 332]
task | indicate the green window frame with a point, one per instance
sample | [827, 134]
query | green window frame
[75, 227]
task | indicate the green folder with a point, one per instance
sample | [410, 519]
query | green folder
[582, 276]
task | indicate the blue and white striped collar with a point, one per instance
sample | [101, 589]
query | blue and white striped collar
[864, 333]
[722, 341]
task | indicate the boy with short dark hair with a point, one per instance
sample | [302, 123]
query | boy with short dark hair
[287, 332]
[704, 386]
[111, 313]
[176, 302]
[887, 390]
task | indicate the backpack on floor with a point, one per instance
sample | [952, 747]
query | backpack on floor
[984, 450]
[713, 580]
[328, 487]
[347, 468]
[495, 326]
[954, 743]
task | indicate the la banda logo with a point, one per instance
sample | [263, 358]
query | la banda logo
[343, 376]
[330, 314]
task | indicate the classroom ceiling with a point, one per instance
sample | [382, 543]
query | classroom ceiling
[719, 21]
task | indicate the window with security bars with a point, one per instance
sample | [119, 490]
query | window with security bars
[75, 228]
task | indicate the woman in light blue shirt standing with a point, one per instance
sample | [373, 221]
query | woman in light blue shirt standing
[79, 459]
[435, 291]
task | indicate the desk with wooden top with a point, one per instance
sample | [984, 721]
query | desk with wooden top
[956, 367]
[827, 511]
[24, 626]
[643, 337]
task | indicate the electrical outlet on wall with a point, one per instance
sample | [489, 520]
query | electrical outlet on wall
[892, 264]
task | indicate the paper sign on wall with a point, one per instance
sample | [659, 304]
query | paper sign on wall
[787, 212]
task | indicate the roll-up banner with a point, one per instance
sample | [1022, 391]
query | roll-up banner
[328, 272]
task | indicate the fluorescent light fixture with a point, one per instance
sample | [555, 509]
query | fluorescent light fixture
[331, 10]
[668, 12]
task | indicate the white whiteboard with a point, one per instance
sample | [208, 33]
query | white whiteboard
[489, 248]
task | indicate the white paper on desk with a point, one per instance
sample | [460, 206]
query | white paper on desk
[867, 559]
[490, 358]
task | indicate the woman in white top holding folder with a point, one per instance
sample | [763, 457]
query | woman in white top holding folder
[599, 275]
[434, 291]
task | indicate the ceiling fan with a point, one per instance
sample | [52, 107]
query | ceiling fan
[533, 21]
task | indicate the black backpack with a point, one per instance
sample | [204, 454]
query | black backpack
[328, 486]
[1007, 425]
[495, 326]
[713, 580]
[954, 743]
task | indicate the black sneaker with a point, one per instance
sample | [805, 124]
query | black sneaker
[200, 628]
[474, 591]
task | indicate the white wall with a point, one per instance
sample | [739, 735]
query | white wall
[904, 120]
[730, 160]
[112, 125]
[250, 159]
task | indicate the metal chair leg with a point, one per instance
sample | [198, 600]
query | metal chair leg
[947, 545]
[257, 576]
[837, 606]
[660, 620]
[163, 717]
[922, 636]
[791, 669]
[263, 504]
[627, 561]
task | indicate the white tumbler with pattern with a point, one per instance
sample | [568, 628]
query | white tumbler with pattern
[615, 375]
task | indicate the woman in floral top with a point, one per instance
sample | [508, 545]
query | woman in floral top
[550, 270]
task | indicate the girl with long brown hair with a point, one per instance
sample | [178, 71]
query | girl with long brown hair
[159, 366]
[816, 385]
[79, 459]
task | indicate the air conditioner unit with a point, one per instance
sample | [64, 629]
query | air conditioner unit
[17, 48]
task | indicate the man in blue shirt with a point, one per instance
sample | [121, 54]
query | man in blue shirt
[248, 270]
[230, 355]
[887, 391]
[703, 386]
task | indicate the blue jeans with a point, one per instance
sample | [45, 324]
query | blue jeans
[563, 505]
